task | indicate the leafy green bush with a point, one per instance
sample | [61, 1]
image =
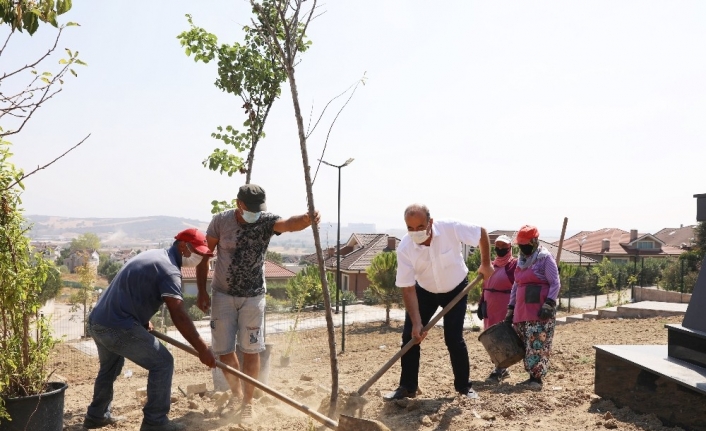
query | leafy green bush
[349, 297]
[276, 305]
[277, 290]
[370, 298]
[195, 313]
[475, 293]
[25, 339]
[305, 288]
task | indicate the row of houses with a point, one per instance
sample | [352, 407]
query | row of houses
[583, 248]
[356, 254]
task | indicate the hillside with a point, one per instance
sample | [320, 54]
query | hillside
[156, 229]
[112, 231]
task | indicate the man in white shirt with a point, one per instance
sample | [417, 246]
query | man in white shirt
[431, 272]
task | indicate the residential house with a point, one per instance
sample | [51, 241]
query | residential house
[356, 255]
[683, 237]
[48, 250]
[79, 258]
[122, 256]
[274, 273]
[619, 246]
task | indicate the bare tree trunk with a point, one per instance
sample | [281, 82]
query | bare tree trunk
[317, 243]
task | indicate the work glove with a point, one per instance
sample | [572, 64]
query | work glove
[510, 314]
[479, 311]
[548, 309]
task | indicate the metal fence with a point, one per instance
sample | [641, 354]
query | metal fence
[302, 336]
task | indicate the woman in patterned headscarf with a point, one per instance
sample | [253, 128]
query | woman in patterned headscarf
[532, 307]
[495, 295]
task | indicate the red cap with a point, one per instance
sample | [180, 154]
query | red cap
[196, 239]
[526, 233]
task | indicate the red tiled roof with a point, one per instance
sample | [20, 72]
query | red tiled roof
[619, 244]
[675, 237]
[272, 270]
[365, 246]
[190, 272]
[360, 258]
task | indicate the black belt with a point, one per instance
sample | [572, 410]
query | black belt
[498, 291]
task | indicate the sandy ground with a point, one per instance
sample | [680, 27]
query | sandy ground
[566, 402]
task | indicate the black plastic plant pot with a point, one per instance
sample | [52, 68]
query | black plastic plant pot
[43, 412]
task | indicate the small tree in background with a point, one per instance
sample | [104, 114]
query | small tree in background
[87, 276]
[382, 273]
[86, 241]
[305, 288]
[273, 256]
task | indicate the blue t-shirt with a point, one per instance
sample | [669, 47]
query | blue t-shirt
[136, 292]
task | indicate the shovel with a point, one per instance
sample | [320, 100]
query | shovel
[363, 389]
[347, 423]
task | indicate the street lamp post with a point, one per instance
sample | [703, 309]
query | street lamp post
[338, 229]
[581, 242]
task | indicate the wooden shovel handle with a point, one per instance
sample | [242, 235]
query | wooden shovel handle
[363, 389]
[280, 396]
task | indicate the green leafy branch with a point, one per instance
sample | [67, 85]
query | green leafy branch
[27, 14]
[252, 72]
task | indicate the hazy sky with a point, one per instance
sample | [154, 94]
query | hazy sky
[496, 113]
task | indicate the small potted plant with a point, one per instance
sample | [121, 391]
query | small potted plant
[27, 399]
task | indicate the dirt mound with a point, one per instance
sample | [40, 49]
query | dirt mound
[566, 401]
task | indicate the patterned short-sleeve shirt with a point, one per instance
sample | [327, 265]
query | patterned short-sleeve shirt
[241, 249]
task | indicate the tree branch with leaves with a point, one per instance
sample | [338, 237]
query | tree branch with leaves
[251, 72]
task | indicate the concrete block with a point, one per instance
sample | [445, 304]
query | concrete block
[142, 392]
[591, 315]
[574, 318]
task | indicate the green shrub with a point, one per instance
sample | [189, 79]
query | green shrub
[370, 297]
[475, 293]
[195, 313]
[348, 296]
[276, 305]
[277, 290]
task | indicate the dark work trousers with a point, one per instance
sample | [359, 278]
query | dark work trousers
[453, 336]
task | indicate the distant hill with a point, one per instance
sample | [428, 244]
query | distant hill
[111, 231]
[156, 230]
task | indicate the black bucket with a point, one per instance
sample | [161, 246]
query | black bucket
[43, 412]
[502, 344]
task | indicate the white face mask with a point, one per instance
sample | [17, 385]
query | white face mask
[191, 261]
[418, 236]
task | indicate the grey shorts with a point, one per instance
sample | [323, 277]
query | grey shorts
[233, 316]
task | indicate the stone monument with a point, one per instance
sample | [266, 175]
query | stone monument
[669, 381]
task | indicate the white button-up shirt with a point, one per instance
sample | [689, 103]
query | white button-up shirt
[438, 268]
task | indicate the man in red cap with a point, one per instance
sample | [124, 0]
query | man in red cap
[120, 325]
[532, 307]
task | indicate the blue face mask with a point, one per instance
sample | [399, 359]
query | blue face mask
[250, 217]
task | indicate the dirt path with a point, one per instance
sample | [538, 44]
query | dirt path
[566, 402]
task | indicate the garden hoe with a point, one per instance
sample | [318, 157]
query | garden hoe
[363, 389]
[346, 423]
